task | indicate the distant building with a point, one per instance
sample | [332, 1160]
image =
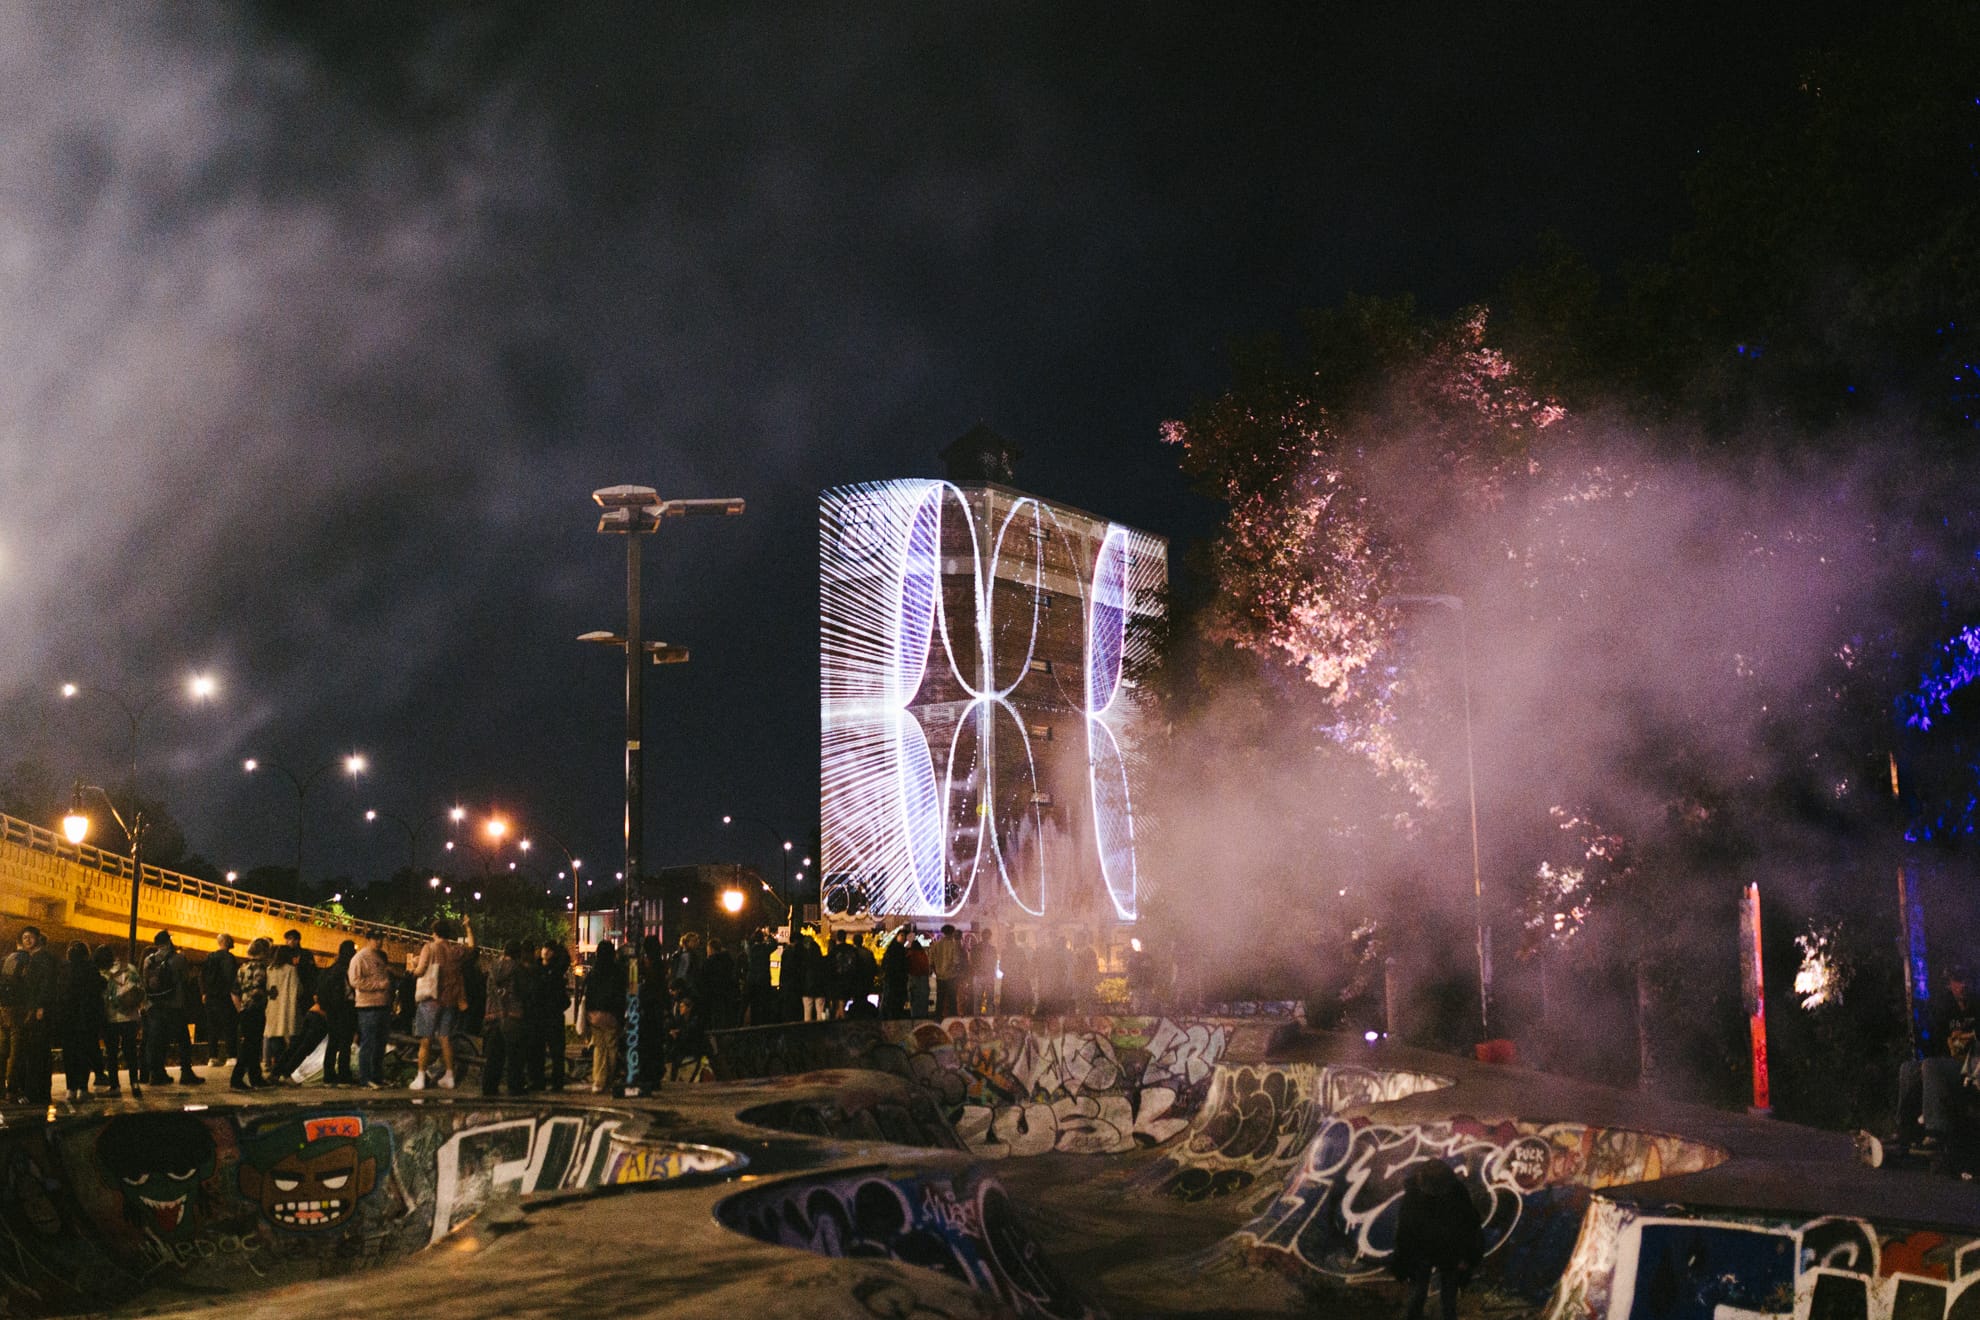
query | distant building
[981, 723]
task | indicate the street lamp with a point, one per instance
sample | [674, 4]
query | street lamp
[732, 901]
[785, 846]
[411, 831]
[635, 512]
[353, 765]
[75, 827]
[1455, 605]
[200, 687]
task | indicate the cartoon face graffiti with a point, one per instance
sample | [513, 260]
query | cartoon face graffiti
[158, 1162]
[310, 1173]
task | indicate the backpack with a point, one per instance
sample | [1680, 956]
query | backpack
[13, 979]
[159, 983]
[121, 992]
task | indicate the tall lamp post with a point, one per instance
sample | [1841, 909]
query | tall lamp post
[352, 765]
[785, 846]
[1455, 605]
[200, 687]
[75, 826]
[412, 832]
[574, 865]
[635, 512]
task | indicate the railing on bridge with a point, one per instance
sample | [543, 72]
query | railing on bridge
[37, 839]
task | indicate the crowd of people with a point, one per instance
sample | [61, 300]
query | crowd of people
[705, 983]
[267, 1008]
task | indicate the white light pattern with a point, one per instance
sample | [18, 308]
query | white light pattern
[915, 821]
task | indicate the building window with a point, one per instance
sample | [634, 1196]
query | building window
[1042, 732]
[1040, 666]
[1041, 799]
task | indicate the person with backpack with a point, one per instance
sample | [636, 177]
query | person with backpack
[123, 1002]
[217, 973]
[251, 1016]
[165, 977]
[505, 1045]
[27, 998]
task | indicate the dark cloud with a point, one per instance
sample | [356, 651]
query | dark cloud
[320, 325]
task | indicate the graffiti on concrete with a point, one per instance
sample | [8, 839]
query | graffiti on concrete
[309, 1174]
[515, 1156]
[96, 1212]
[964, 1228]
[1630, 1264]
[663, 1161]
[1337, 1213]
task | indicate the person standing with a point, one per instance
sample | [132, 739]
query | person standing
[333, 993]
[440, 997]
[716, 987]
[504, 1022]
[217, 975]
[370, 979]
[758, 987]
[604, 1004]
[1437, 1231]
[894, 976]
[165, 976]
[919, 970]
[285, 1008]
[27, 992]
[945, 962]
[550, 1039]
[123, 1002]
[79, 1018]
[250, 998]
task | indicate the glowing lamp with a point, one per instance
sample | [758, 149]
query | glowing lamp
[75, 827]
[354, 763]
[70, 689]
[497, 827]
[201, 686]
[732, 901]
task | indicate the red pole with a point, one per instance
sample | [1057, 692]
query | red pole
[1755, 993]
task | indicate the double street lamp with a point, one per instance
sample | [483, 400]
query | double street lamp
[636, 512]
[785, 848]
[352, 765]
[75, 825]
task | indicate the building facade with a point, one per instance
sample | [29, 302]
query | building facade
[982, 728]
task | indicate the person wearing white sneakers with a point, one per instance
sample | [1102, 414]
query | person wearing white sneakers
[439, 997]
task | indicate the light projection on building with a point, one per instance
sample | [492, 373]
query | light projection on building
[980, 720]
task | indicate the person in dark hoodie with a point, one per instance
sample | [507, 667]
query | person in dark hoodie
[79, 1018]
[1437, 1230]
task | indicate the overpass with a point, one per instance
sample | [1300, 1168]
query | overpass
[75, 891]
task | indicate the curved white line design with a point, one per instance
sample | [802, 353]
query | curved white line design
[915, 827]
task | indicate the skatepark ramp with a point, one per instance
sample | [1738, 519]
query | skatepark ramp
[169, 1207]
[78, 891]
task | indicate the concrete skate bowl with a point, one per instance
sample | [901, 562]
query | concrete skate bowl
[1334, 1220]
[157, 1209]
[1635, 1261]
[957, 1223]
[855, 1106]
[1087, 1085]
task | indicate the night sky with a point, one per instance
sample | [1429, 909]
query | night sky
[319, 330]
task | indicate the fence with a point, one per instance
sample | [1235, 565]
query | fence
[37, 839]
